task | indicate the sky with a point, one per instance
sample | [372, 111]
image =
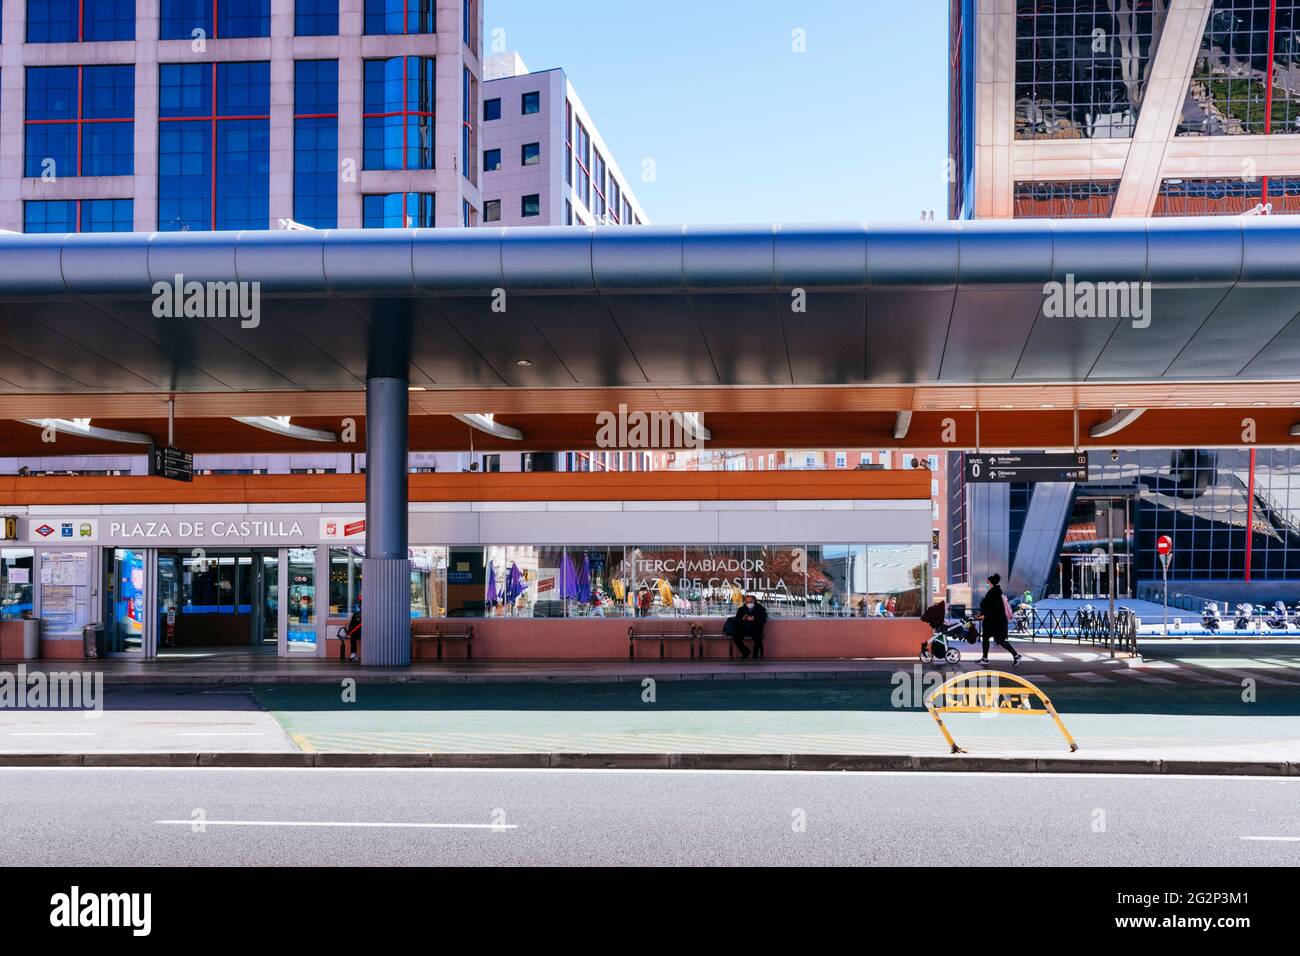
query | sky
[739, 125]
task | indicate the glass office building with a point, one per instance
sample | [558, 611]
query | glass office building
[1068, 82]
[1233, 516]
[1054, 133]
[182, 132]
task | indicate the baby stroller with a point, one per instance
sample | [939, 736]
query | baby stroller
[939, 646]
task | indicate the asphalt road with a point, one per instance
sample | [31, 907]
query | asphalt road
[179, 817]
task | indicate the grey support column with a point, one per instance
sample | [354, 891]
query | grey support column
[386, 571]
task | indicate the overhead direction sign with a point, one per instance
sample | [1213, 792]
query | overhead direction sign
[172, 463]
[1027, 467]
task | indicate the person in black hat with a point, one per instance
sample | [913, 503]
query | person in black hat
[995, 612]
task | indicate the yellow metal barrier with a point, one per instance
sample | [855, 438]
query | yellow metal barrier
[985, 692]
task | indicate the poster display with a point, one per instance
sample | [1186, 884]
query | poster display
[65, 593]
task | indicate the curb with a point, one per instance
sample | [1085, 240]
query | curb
[662, 761]
[372, 677]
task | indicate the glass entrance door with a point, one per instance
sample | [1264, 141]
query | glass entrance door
[124, 602]
[266, 581]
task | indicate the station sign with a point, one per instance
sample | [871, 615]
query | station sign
[1027, 467]
[8, 528]
[172, 463]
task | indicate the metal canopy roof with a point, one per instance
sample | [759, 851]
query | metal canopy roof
[925, 303]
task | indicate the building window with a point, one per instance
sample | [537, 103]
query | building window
[583, 158]
[215, 18]
[1229, 196]
[398, 16]
[80, 121]
[316, 143]
[1051, 199]
[531, 103]
[214, 146]
[530, 206]
[1240, 81]
[492, 210]
[568, 142]
[614, 199]
[597, 205]
[468, 135]
[68, 21]
[492, 109]
[530, 154]
[78, 215]
[398, 113]
[841, 459]
[397, 211]
[491, 160]
[568, 213]
[316, 18]
[1081, 68]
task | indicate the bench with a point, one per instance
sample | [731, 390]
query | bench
[450, 632]
[715, 634]
[633, 635]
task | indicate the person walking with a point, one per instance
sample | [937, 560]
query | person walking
[995, 612]
[748, 622]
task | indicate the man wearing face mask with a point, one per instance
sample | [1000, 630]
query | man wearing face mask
[748, 623]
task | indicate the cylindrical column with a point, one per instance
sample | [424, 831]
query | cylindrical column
[386, 571]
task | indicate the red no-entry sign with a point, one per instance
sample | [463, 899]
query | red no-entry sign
[1164, 544]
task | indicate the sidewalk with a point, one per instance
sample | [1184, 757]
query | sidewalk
[1041, 658]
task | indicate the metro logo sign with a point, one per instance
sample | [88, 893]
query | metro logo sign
[66, 530]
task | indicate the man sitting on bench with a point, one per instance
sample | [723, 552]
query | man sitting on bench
[747, 623]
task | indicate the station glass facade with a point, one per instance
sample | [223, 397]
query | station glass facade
[791, 580]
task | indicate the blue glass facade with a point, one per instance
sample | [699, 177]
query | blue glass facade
[398, 113]
[316, 18]
[78, 215]
[214, 157]
[79, 121]
[399, 16]
[397, 211]
[315, 143]
[68, 21]
[216, 18]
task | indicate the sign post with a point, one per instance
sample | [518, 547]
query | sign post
[1165, 548]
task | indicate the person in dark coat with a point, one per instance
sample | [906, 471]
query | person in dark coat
[354, 630]
[996, 618]
[748, 622]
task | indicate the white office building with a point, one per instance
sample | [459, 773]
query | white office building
[544, 161]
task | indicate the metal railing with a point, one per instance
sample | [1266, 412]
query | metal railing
[1083, 625]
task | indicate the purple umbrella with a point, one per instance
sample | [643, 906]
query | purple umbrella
[584, 579]
[514, 583]
[492, 595]
[568, 578]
